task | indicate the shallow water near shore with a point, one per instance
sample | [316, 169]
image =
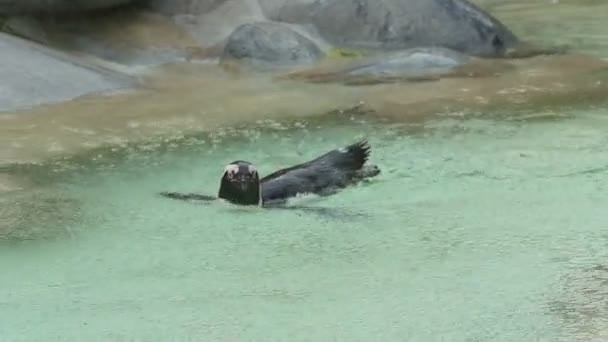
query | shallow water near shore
[466, 236]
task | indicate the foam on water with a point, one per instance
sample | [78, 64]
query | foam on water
[467, 235]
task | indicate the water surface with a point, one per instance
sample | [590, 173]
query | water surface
[468, 235]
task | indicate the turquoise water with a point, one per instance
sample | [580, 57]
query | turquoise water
[477, 230]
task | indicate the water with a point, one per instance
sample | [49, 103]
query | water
[573, 23]
[489, 227]
[476, 231]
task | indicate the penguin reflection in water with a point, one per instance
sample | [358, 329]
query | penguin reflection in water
[323, 176]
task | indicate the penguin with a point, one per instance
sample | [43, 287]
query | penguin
[323, 176]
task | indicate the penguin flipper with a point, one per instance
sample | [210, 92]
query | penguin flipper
[350, 158]
[324, 176]
[187, 196]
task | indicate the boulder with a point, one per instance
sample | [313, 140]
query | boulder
[54, 6]
[399, 24]
[192, 7]
[211, 22]
[130, 37]
[33, 75]
[285, 10]
[270, 45]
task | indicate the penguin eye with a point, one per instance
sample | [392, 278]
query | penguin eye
[230, 171]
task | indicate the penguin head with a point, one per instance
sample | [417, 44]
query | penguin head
[240, 184]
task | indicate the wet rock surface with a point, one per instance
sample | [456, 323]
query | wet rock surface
[268, 45]
[266, 34]
[193, 7]
[412, 61]
[55, 6]
[411, 64]
[128, 37]
[403, 24]
[212, 28]
[34, 75]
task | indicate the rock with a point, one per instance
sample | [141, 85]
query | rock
[270, 45]
[400, 24]
[417, 62]
[410, 64]
[286, 10]
[24, 6]
[211, 29]
[26, 27]
[548, 82]
[132, 37]
[33, 75]
[193, 7]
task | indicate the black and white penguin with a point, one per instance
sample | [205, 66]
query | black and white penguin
[323, 176]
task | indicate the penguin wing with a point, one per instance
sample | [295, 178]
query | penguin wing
[324, 175]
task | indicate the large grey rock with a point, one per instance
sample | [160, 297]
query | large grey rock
[33, 75]
[270, 45]
[193, 7]
[211, 29]
[399, 24]
[23, 6]
[282, 10]
[143, 39]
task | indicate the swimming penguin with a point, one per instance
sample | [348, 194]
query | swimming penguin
[323, 176]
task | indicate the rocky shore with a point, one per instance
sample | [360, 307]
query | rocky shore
[68, 50]
[112, 72]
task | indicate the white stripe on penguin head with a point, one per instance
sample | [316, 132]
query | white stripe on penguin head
[231, 170]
